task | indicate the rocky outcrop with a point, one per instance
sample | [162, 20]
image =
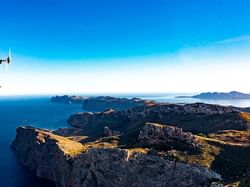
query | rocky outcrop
[196, 118]
[65, 99]
[70, 164]
[68, 131]
[208, 109]
[157, 134]
[109, 132]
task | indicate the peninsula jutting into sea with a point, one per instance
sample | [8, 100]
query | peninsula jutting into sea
[135, 142]
[125, 93]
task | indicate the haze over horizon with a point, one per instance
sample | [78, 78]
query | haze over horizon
[125, 47]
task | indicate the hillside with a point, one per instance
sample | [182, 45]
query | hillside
[65, 99]
[185, 145]
[196, 118]
[102, 165]
[100, 103]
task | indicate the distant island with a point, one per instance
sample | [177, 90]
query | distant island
[219, 95]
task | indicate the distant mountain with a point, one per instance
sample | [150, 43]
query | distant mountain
[219, 95]
[65, 99]
[101, 103]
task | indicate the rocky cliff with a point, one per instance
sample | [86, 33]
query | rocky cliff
[157, 134]
[65, 99]
[196, 118]
[101, 103]
[70, 164]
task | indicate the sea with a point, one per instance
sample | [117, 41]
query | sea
[38, 111]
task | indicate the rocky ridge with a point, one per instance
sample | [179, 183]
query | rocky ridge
[51, 156]
[65, 99]
[101, 103]
[157, 134]
[198, 117]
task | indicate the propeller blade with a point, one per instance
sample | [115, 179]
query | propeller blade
[9, 56]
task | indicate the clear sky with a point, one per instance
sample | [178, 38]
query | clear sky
[106, 46]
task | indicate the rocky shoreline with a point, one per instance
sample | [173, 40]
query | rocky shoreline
[150, 144]
[48, 156]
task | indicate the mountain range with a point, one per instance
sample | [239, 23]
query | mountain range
[219, 95]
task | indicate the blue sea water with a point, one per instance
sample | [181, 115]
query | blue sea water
[39, 112]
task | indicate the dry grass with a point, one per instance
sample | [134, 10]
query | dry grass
[105, 142]
[244, 182]
[226, 152]
[77, 138]
[138, 150]
[233, 137]
[68, 146]
[204, 157]
[245, 116]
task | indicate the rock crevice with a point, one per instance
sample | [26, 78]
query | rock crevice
[48, 155]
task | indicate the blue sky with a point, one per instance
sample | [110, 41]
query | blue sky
[53, 39]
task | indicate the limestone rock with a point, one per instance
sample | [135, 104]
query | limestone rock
[196, 118]
[69, 164]
[109, 132]
[102, 103]
[65, 99]
[153, 134]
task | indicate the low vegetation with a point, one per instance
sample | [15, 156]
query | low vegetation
[216, 152]
[245, 115]
[232, 137]
[224, 138]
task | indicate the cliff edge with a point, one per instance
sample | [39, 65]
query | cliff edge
[71, 164]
